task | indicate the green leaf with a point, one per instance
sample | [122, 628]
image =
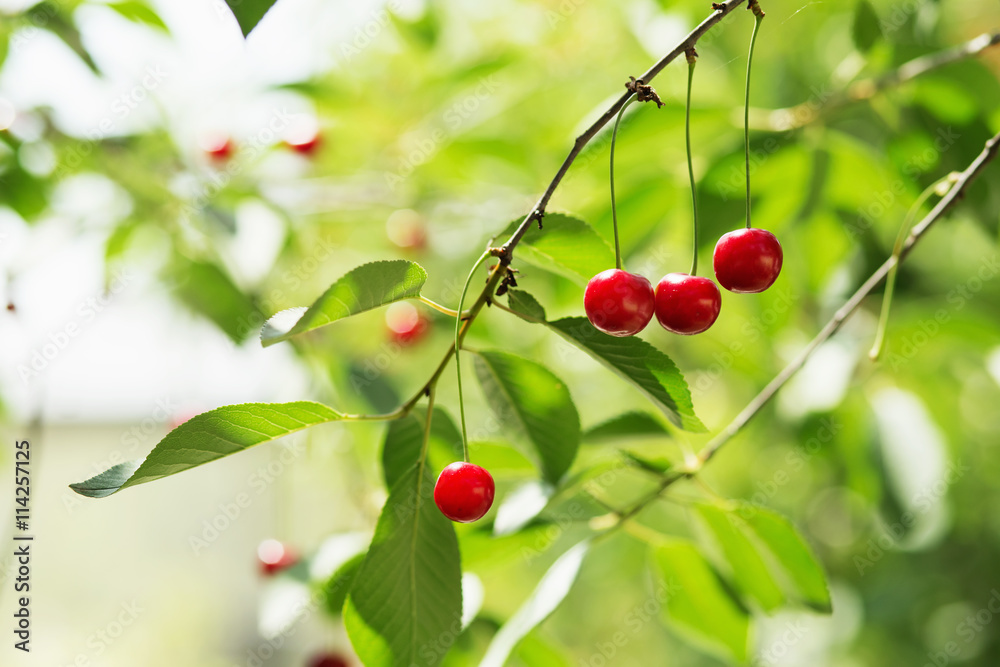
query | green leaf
[404, 438]
[749, 570]
[209, 291]
[49, 15]
[534, 651]
[793, 553]
[866, 29]
[107, 482]
[566, 246]
[405, 607]
[636, 361]
[482, 550]
[697, 605]
[628, 425]
[547, 596]
[139, 13]
[527, 306]
[658, 465]
[535, 405]
[207, 437]
[337, 586]
[248, 13]
[364, 288]
[632, 359]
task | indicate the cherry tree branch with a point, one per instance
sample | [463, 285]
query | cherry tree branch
[505, 252]
[800, 115]
[956, 192]
[721, 9]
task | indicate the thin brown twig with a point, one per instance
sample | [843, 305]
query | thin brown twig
[957, 191]
[505, 252]
[720, 10]
[845, 311]
[800, 115]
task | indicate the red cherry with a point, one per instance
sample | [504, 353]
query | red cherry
[218, 148]
[406, 325]
[327, 660]
[686, 304]
[275, 557]
[618, 303]
[747, 261]
[407, 229]
[464, 492]
[305, 146]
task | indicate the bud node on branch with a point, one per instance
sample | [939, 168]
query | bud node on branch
[643, 92]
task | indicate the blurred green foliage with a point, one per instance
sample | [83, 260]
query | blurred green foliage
[454, 121]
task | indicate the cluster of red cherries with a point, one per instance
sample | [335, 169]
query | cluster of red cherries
[619, 303]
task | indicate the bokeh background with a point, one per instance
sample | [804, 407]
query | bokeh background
[139, 263]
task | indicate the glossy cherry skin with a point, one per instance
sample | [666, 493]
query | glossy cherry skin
[686, 304]
[618, 303]
[327, 660]
[747, 261]
[464, 492]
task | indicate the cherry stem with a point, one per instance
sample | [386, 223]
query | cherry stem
[438, 307]
[427, 430]
[758, 17]
[692, 60]
[890, 281]
[458, 356]
[614, 213]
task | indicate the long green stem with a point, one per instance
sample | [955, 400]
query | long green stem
[438, 307]
[458, 356]
[758, 17]
[614, 212]
[427, 428]
[890, 281]
[692, 60]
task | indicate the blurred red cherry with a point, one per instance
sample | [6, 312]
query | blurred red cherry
[305, 146]
[406, 325]
[327, 660]
[275, 557]
[407, 229]
[218, 147]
